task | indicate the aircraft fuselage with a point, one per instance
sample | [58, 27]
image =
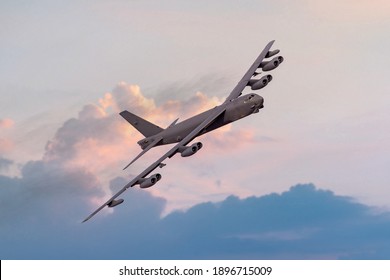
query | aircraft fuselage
[235, 110]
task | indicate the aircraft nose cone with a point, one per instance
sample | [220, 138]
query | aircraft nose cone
[259, 102]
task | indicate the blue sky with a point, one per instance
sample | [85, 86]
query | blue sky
[68, 69]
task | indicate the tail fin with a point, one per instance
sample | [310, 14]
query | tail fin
[143, 126]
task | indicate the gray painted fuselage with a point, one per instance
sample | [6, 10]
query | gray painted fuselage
[235, 110]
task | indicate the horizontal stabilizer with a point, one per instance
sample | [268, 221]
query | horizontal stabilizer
[146, 128]
[151, 145]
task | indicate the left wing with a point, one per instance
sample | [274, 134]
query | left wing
[141, 177]
[237, 91]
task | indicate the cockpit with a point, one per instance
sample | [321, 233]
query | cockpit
[249, 97]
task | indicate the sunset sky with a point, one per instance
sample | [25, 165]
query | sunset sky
[69, 67]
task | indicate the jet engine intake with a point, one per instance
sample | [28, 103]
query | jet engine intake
[189, 151]
[150, 181]
[270, 65]
[258, 84]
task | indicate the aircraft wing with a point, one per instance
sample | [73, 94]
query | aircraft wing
[237, 91]
[213, 115]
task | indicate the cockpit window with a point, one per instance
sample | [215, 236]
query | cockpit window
[249, 98]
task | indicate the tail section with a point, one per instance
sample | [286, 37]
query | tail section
[146, 128]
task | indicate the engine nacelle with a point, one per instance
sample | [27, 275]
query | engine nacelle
[258, 84]
[114, 202]
[150, 181]
[271, 65]
[189, 151]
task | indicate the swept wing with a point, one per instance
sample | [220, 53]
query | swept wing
[237, 91]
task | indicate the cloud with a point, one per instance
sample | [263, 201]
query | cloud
[41, 210]
[130, 97]
[6, 123]
[287, 225]
[89, 150]
[301, 223]
[6, 145]
[5, 163]
[100, 141]
[46, 191]
[126, 96]
[93, 141]
[44, 208]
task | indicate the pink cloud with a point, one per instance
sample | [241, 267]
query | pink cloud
[6, 123]
[126, 97]
[100, 142]
[6, 145]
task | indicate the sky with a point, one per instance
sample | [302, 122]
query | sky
[306, 178]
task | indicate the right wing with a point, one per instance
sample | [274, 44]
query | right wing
[213, 115]
[237, 91]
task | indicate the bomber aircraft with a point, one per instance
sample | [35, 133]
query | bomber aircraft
[232, 109]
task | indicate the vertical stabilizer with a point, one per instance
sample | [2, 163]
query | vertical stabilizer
[146, 128]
